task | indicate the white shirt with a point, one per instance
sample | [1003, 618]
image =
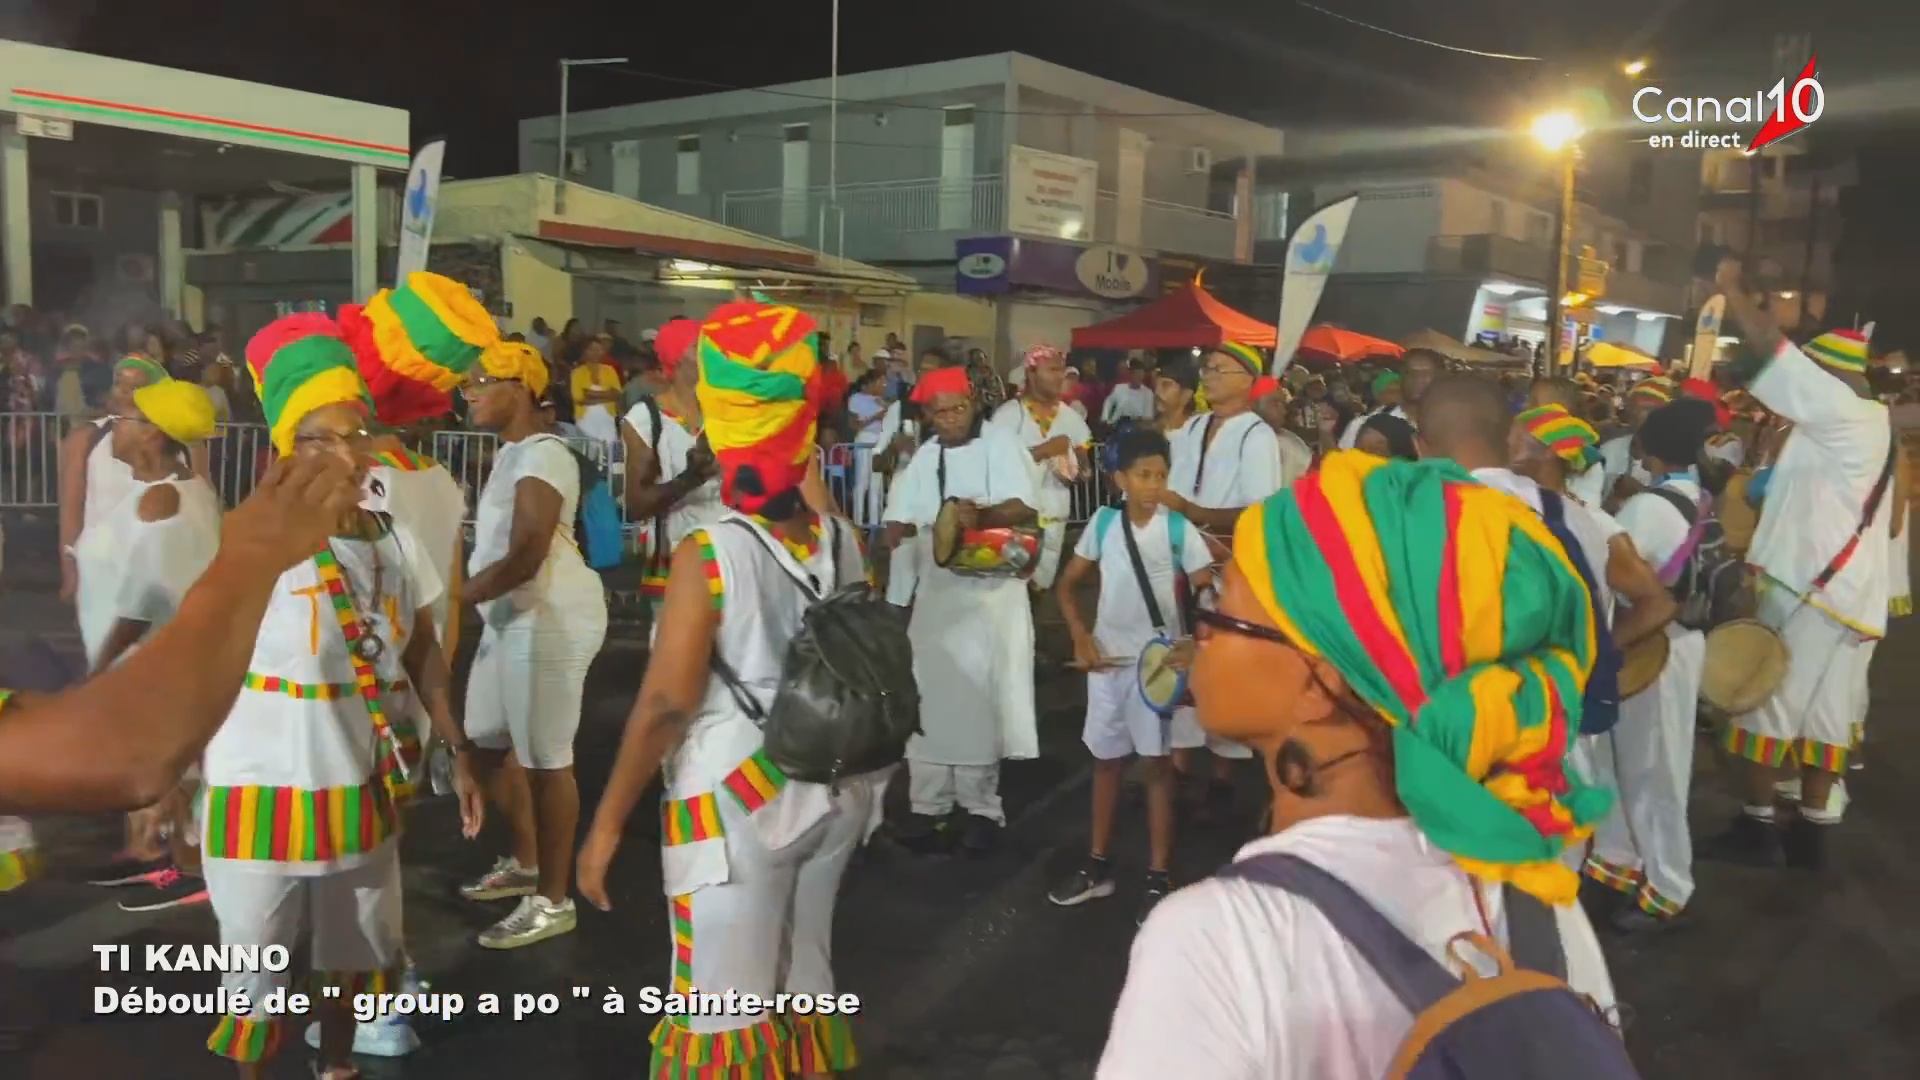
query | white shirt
[563, 582]
[140, 570]
[109, 480]
[1242, 465]
[1056, 498]
[1819, 490]
[702, 505]
[1121, 624]
[1656, 525]
[1233, 980]
[990, 469]
[1616, 454]
[868, 416]
[1352, 435]
[1296, 457]
[430, 503]
[1126, 401]
[1593, 527]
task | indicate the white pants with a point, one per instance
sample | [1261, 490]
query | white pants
[352, 917]
[1809, 719]
[1643, 847]
[1052, 539]
[528, 681]
[935, 789]
[769, 928]
[1865, 704]
[904, 565]
[869, 487]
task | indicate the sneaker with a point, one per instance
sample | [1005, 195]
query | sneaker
[533, 920]
[170, 888]
[1805, 844]
[1837, 799]
[979, 835]
[125, 871]
[507, 879]
[1093, 881]
[1749, 841]
[1158, 886]
[389, 1036]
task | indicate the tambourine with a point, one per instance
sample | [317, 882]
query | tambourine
[1163, 686]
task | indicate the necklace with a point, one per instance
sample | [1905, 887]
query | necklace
[367, 644]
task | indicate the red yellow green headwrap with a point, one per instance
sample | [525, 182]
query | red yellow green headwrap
[1451, 610]
[760, 395]
[1657, 390]
[299, 364]
[416, 343]
[1571, 439]
[1844, 351]
[142, 363]
[1247, 355]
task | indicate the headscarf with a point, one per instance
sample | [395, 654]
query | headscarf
[517, 360]
[760, 393]
[1262, 386]
[674, 343]
[142, 363]
[416, 343]
[1449, 608]
[180, 409]
[1707, 392]
[1385, 381]
[1844, 351]
[1248, 356]
[1571, 439]
[1658, 390]
[301, 363]
[946, 380]
[1677, 432]
[1040, 354]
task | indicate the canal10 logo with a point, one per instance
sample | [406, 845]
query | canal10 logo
[1786, 107]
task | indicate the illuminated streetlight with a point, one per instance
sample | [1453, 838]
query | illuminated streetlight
[1557, 130]
[1636, 69]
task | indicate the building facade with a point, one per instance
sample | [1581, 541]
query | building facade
[935, 171]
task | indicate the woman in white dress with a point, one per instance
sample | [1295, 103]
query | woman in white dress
[545, 616]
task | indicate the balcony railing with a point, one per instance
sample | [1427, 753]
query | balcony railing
[875, 214]
[1489, 255]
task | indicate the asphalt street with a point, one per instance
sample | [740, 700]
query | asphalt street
[965, 969]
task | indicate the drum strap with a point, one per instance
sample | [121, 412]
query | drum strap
[1140, 571]
[1206, 440]
[1874, 498]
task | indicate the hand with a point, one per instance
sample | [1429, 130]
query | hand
[466, 788]
[1174, 501]
[1052, 448]
[1086, 654]
[1180, 657]
[291, 512]
[590, 867]
[902, 445]
[700, 459]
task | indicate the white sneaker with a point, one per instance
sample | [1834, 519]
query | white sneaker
[533, 920]
[507, 878]
[388, 1036]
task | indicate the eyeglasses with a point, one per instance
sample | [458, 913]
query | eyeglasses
[480, 383]
[329, 439]
[1221, 371]
[1207, 613]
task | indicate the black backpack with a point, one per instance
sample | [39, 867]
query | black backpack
[1712, 581]
[847, 702]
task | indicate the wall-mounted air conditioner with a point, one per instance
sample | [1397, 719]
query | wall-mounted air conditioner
[1199, 159]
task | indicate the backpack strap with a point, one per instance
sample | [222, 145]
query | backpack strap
[1417, 980]
[1696, 515]
[1533, 935]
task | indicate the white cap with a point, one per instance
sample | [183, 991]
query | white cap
[648, 335]
[882, 354]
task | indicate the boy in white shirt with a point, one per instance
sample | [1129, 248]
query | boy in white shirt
[1173, 558]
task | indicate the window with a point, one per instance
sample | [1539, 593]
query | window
[956, 167]
[1640, 182]
[794, 155]
[626, 168]
[686, 164]
[73, 210]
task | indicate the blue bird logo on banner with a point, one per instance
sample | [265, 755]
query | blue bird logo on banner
[418, 203]
[1316, 255]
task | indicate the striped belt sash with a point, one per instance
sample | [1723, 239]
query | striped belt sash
[752, 785]
[274, 684]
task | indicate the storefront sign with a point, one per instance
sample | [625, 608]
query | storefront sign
[991, 265]
[1051, 195]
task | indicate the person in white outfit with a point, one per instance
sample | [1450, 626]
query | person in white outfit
[867, 413]
[669, 473]
[1589, 484]
[1057, 439]
[972, 636]
[545, 617]
[422, 494]
[751, 859]
[1131, 399]
[92, 480]
[901, 433]
[1643, 849]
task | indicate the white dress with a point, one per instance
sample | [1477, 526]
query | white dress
[134, 569]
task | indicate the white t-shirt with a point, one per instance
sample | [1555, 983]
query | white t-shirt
[868, 413]
[1127, 402]
[1233, 980]
[564, 579]
[1242, 464]
[1121, 625]
[702, 505]
[430, 503]
[1656, 525]
[1056, 498]
[1592, 527]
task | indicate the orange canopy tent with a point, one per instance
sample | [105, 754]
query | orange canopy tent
[1190, 318]
[1332, 345]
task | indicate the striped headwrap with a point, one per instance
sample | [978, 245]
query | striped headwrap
[1571, 439]
[760, 394]
[1040, 354]
[1657, 390]
[301, 363]
[1247, 355]
[1451, 610]
[1844, 351]
[416, 343]
[142, 363]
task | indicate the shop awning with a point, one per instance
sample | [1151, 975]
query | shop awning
[1435, 341]
[1605, 354]
[1332, 345]
[1189, 318]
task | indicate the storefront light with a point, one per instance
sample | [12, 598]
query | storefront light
[683, 266]
[1610, 309]
[1504, 288]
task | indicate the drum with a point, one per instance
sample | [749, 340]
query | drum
[1641, 664]
[1738, 517]
[1746, 662]
[1162, 673]
[1006, 552]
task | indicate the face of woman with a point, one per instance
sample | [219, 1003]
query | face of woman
[1372, 442]
[125, 382]
[1260, 709]
[132, 434]
[339, 430]
[492, 403]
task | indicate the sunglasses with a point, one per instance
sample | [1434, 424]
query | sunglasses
[1206, 613]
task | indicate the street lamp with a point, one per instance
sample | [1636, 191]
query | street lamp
[1636, 69]
[1559, 133]
[566, 69]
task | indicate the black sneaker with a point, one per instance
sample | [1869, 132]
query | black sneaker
[124, 871]
[979, 835]
[1805, 844]
[1093, 881]
[171, 889]
[1634, 919]
[1600, 900]
[923, 834]
[1749, 841]
[1158, 886]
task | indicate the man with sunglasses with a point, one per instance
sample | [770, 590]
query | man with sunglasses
[1224, 461]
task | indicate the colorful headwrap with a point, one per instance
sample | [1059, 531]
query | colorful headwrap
[1040, 354]
[181, 409]
[760, 394]
[1385, 381]
[1657, 390]
[1248, 356]
[142, 363]
[946, 380]
[301, 363]
[1844, 351]
[1571, 439]
[674, 343]
[415, 344]
[517, 360]
[1475, 649]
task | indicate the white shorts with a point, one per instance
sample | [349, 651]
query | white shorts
[1810, 717]
[527, 684]
[1119, 722]
[1189, 735]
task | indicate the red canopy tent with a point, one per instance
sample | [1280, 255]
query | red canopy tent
[1190, 318]
[1332, 345]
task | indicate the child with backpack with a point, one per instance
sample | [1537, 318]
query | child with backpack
[1149, 560]
[1404, 648]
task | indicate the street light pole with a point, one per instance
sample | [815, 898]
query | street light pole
[1562, 256]
[566, 69]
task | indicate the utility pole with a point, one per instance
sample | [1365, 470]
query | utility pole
[566, 69]
[1562, 255]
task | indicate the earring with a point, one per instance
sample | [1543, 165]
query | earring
[1296, 768]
